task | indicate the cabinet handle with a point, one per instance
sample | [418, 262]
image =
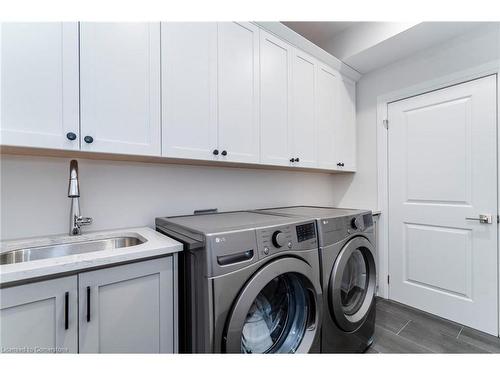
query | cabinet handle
[88, 304]
[340, 164]
[297, 159]
[71, 136]
[224, 153]
[88, 139]
[66, 310]
[215, 152]
[292, 160]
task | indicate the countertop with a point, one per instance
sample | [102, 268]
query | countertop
[156, 245]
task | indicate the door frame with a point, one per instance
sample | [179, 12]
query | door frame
[383, 101]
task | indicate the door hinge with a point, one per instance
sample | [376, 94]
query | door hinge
[498, 218]
[386, 124]
[388, 279]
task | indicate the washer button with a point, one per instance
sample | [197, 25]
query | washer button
[266, 250]
[289, 245]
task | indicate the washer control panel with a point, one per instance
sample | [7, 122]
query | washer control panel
[287, 237]
[306, 232]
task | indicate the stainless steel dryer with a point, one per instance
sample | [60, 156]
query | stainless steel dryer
[249, 283]
[347, 256]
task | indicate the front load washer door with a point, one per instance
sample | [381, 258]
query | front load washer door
[352, 284]
[278, 310]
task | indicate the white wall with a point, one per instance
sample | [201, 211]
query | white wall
[475, 48]
[123, 194]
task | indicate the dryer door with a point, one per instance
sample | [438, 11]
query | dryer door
[352, 284]
[278, 310]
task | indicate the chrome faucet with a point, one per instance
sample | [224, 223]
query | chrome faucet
[75, 219]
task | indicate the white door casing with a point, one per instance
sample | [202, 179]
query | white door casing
[238, 91]
[275, 91]
[442, 169]
[39, 84]
[189, 89]
[120, 87]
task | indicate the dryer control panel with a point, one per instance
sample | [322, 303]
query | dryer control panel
[336, 229]
[295, 237]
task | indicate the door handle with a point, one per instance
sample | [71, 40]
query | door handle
[66, 310]
[88, 304]
[483, 218]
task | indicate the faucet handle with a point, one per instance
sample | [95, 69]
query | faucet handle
[80, 220]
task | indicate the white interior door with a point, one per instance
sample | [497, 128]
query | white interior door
[443, 170]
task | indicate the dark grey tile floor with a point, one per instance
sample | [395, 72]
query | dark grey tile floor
[402, 329]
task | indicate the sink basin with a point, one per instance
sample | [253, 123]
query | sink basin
[71, 248]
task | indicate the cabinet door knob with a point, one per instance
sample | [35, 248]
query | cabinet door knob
[297, 159]
[215, 152]
[88, 139]
[71, 136]
[224, 153]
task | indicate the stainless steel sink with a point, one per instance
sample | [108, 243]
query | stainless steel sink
[72, 248]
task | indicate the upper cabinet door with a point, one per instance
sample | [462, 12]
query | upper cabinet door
[303, 110]
[327, 109]
[120, 87]
[238, 78]
[39, 85]
[275, 99]
[189, 89]
[345, 129]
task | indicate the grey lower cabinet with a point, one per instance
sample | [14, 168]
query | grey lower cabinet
[130, 308]
[40, 317]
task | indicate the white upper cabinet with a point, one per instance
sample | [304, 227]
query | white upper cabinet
[39, 85]
[226, 91]
[327, 109]
[345, 126]
[303, 110]
[189, 89]
[275, 99]
[120, 87]
[238, 92]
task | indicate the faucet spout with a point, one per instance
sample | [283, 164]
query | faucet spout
[73, 187]
[76, 220]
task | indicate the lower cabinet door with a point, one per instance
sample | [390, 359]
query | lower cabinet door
[40, 317]
[128, 309]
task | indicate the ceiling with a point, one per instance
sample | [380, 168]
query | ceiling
[317, 32]
[367, 46]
